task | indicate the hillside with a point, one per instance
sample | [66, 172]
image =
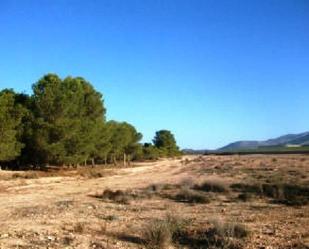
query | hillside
[296, 139]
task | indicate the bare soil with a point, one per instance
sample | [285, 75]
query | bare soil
[65, 210]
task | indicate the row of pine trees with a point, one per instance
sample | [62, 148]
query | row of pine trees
[63, 123]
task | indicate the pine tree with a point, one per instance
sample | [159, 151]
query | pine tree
[11, 115]
[165, 141]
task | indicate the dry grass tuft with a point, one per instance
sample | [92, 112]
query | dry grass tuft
[123, 196]
[213, 185]
[191, 196]
[219, 234]
[160, 234]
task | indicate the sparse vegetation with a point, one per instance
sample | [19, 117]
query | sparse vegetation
[160, 234]
[117, 196]
[191, 196]
[281, 192]
[214, 185]
[60, 211]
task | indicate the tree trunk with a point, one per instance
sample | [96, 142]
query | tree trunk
[105, 159]
[129, 160]
[124, 159]
[92, 163]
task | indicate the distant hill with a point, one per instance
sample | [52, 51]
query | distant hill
[302, 140]
[289, 139]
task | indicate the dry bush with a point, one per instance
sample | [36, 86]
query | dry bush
[289, 194]
[160, 234]
[182, 192]
[245, 197]
[229, 229]
[191, 196]
[227, 235]
[218, 235]
[117, 196]
[173, 231]
[213, 185]
[157, 235]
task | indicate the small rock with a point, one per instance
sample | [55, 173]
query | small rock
[51, 238]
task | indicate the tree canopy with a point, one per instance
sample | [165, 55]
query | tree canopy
[63, 123]
[166, 142]
[11, 115]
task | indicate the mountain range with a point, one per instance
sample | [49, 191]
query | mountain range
[289, 139]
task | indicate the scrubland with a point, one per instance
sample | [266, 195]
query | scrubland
[230, 202]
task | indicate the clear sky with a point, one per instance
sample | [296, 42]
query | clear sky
[210, 71]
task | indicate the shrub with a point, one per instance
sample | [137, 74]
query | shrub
[245, 196]
[157, 235]
[117, 196]
[226, 235]
[229, 229]
[288, 194]
[160, 234]
[191, 196]
[215, 185]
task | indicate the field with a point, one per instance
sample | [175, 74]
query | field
[249, 201]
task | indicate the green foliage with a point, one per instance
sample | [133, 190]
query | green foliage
[165, 141]
[124, 139]
[150, 152]
[69, 115]
[11, 114]
[63, 123]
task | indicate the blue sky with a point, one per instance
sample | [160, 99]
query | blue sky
[210, 71]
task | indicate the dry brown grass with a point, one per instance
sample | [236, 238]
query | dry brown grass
[216, 185]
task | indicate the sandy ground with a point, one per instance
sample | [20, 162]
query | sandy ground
[62, 212]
